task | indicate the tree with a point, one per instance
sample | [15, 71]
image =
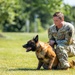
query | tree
[15, 13]
[7, 11]
[73, 14]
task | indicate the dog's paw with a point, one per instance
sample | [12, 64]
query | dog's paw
[49, 68]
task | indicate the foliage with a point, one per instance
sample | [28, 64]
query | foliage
[7, 11]
[73, 14]
[15, 13]
[69, 13]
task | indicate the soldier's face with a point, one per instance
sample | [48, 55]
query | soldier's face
[57, 21]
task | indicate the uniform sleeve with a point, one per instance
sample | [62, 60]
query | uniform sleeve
[68, 36]
[50, 36]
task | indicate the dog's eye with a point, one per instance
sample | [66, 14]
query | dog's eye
[32, 43]
[29, 43]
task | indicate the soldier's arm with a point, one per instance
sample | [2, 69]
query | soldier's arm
[51, 38]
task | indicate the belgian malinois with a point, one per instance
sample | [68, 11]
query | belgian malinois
[44, 52]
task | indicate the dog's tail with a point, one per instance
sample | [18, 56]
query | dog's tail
[72, 64]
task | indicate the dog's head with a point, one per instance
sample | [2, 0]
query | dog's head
[31, 44]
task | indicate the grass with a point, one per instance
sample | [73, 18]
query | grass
[15, 61]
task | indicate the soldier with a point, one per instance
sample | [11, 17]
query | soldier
[61, 34]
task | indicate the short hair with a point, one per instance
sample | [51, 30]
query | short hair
[60, 15]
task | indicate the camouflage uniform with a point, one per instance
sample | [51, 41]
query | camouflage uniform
[65, 43]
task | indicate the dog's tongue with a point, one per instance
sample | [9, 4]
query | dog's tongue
[28, 49]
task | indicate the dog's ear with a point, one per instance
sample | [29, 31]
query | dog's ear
[35, 38]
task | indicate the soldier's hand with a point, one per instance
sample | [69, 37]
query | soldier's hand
[51, 42]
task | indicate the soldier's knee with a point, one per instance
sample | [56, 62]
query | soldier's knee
[61, 50]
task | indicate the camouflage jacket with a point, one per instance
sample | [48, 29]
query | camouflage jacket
[62, 36]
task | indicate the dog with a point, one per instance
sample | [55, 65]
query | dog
[45, 54]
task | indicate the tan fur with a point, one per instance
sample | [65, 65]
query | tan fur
[46, 55]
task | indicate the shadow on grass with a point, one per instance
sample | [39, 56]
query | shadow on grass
[23, 69]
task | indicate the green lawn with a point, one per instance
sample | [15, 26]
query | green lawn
[15, 61]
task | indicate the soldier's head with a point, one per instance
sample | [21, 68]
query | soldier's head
[58, 18]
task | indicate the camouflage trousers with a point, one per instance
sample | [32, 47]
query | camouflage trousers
[62, 53]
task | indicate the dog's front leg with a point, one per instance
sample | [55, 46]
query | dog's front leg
[51, 63]
[39, 65]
